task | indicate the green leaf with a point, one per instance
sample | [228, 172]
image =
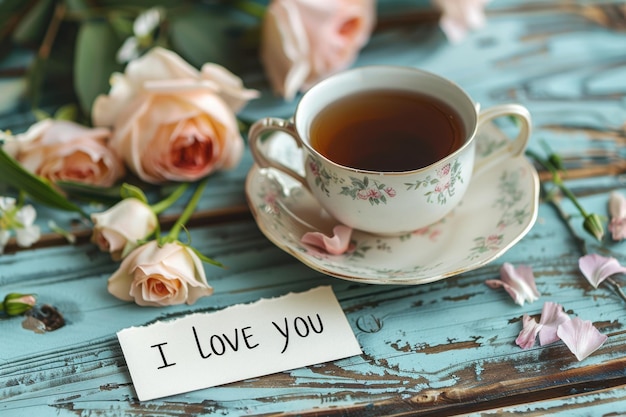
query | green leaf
[9, 7]
[205, 258]
[121, 24]
[41, 114]
[201, 35]
[95, 61]
[86, 192]
[131, 191]
[66, 112]
[77, 6]
[39, 189]
[34, 24]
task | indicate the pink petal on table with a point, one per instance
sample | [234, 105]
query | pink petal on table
[518, 282]
[335, 245]
[581, 337]
[597, 268]
[617, 213]
[552, 316]
[526, 337]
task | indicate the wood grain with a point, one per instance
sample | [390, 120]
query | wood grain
[445, 348]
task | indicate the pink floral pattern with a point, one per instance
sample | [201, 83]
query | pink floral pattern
[509, 202]
[440, 186]
[367, 189]
[323, 178]
[483, 244]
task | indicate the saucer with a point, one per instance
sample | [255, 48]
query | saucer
[498, 209]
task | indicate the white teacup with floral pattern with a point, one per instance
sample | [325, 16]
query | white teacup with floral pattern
[388, 203]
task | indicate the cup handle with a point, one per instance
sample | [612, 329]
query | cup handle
[514, 147]
[258, 133]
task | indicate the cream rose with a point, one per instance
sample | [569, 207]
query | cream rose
[160, 276]
[172, 122]
[119, 229]
[66, 151]
[303, 41]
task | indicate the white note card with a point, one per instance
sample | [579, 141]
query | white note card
[243, 341]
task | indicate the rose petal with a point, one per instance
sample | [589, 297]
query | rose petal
[581, 337]
[335, 245]
[617, 227]
[617, 212]
[230, 87]
[518, 282]
[617, 205]
[460, 16]
[526, 337]
[597, 268]
[552, 316]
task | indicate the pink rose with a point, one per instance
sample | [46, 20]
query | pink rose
[61, 150]
[363, 194]
[374, 193]
[118, 229]
[444, 171]
[159, 276]
[172, 122]
[493, 240]
[303, 41]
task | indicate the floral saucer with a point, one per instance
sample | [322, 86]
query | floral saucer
[499, 208]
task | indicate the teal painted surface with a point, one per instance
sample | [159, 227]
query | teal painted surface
[426, 341]
[430, 347]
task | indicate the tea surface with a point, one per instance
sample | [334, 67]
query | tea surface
[387, 130]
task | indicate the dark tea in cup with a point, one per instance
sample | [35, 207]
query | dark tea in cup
[387, 130]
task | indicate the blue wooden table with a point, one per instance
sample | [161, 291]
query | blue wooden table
[443, 348]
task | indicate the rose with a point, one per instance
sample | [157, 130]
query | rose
[119, 229]
[61, 150]
[172, 122]
[154, 275]
[304, 41]
[162, 70]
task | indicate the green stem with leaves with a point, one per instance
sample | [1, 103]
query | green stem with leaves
[557, 180]
[565, 217]
[186, 214]
[591, 223]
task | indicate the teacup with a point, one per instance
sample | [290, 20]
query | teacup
[388, 149]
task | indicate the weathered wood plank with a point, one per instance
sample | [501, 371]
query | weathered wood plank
[430, 348]
[438, 349]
